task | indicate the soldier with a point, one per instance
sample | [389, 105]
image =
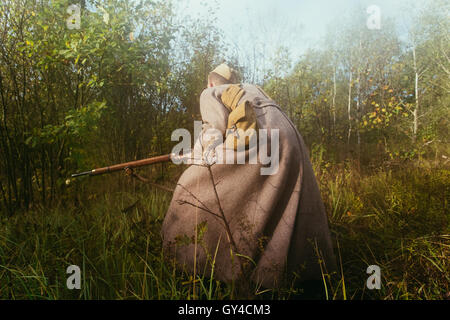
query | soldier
[270, 228]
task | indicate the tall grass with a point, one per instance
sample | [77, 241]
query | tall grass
[397, 219]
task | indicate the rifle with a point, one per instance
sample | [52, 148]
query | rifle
[127, 166]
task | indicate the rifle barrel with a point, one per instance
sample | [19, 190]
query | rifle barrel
[121, 166]
[74, 175]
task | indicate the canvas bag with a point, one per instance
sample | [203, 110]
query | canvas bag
[241, 126]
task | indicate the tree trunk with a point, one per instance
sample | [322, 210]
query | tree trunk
[416, 94]
[349, 107]
[334, 100]
[358, 96]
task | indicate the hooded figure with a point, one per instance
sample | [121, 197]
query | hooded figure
[260, 220]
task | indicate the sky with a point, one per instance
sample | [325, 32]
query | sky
[297, 24]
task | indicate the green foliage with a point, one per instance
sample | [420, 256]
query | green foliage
[115, 89]
[135, 58]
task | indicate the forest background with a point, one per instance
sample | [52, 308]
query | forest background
[372, 105]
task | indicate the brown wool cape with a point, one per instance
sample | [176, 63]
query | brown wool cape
[277, 221]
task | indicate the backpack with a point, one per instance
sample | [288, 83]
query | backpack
[241, 126]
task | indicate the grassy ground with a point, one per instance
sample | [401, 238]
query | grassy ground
[396, 218]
